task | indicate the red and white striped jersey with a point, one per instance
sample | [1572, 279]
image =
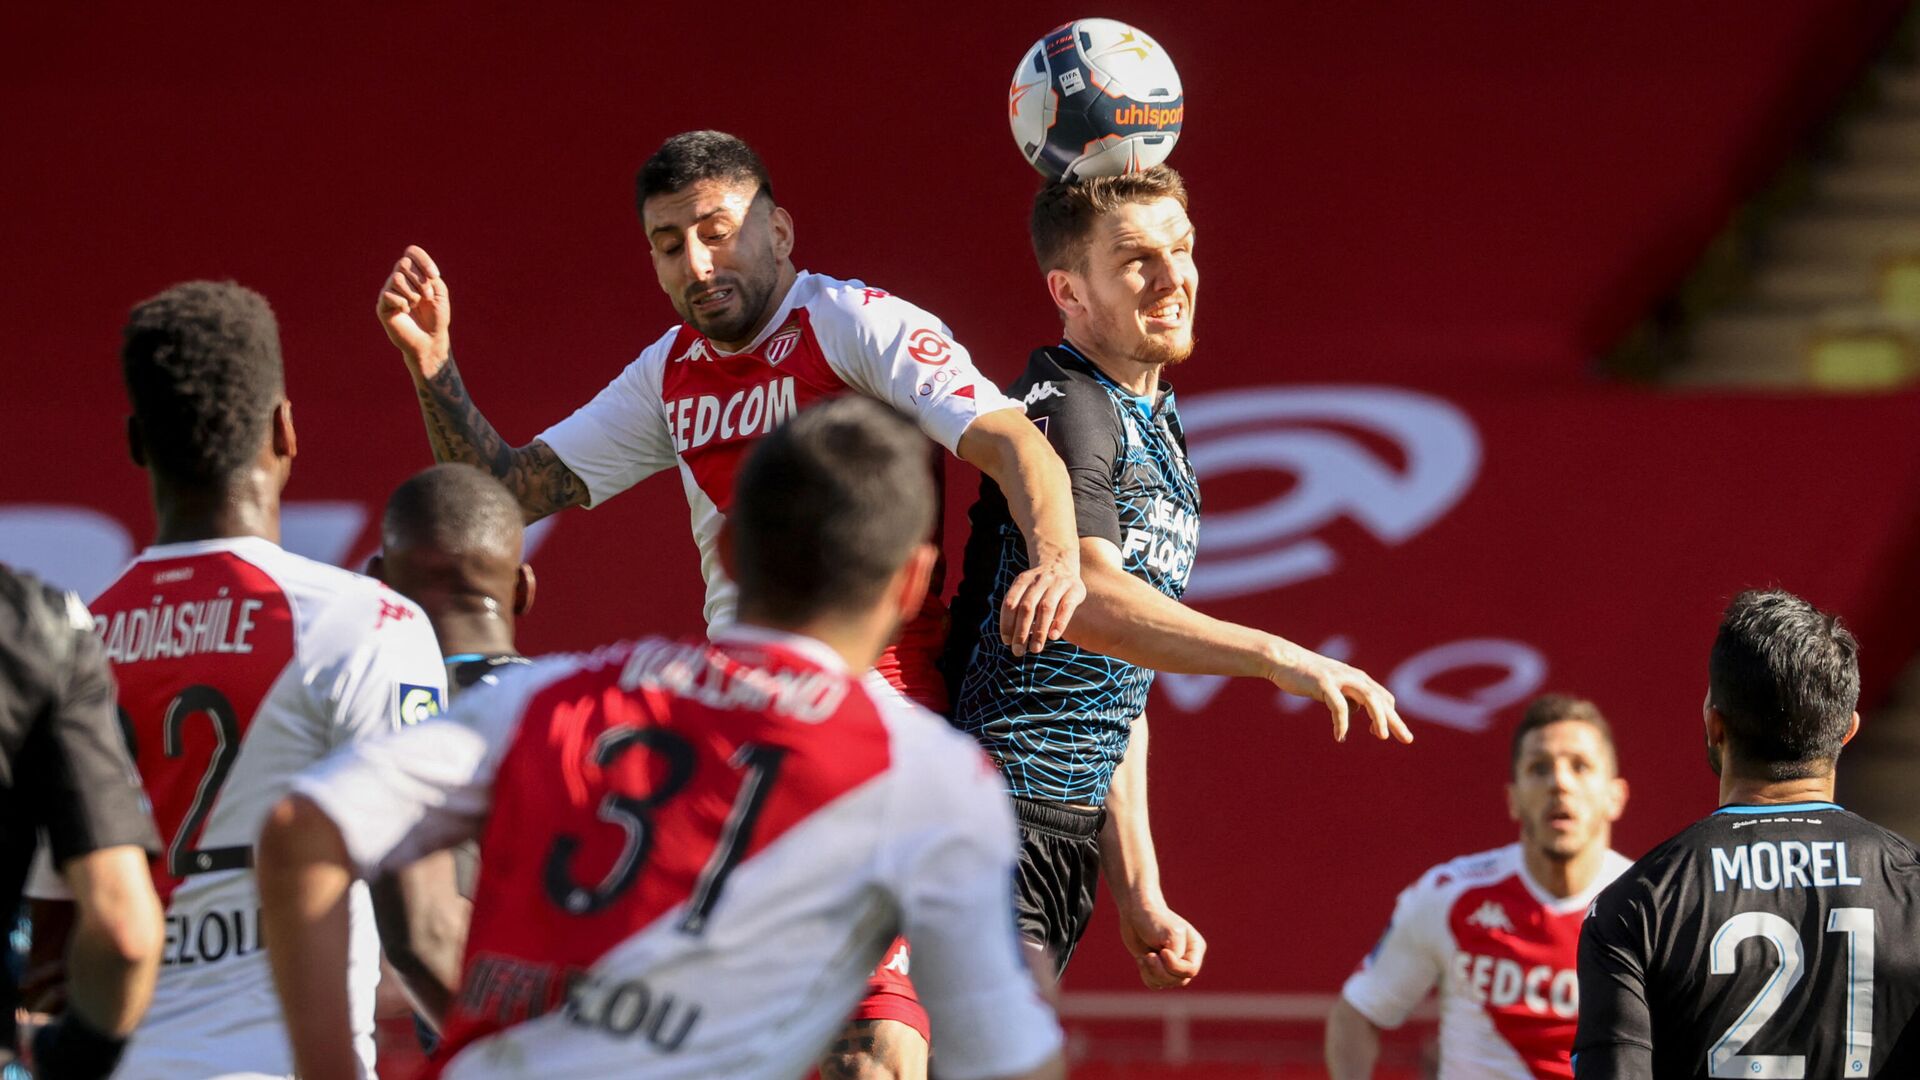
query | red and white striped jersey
[685, 403]
[693, 854]
[239, 664]
[1505, 956]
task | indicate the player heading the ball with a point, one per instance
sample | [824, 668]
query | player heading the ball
[1068, 727]
[1780, 936]
[692, 853]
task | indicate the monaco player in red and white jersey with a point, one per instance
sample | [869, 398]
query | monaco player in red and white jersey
[692, 853]
[239, 664]
[1499, 932]
[760, 340]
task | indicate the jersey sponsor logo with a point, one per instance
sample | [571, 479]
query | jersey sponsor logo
[414, 703]
[1042, 391]
[161, 630]
[629, 1008]
[1321, 473]
[1503, 983]
[210, 937]
[1765, 866]
[699, 419]
[1491, 916]
[1166, 539]
[939, 379]
[929, 347]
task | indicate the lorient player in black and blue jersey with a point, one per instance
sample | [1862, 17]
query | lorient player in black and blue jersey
[1780, 935]
[1068, 726]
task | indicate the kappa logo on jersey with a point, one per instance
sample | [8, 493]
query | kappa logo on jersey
[414, 703]
[780, 346]
[1042, 391]
[1323, 473]
[1491, 916]
[929, 347]
[695, 353]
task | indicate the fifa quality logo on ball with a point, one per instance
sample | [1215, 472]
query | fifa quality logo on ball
[1095, 97]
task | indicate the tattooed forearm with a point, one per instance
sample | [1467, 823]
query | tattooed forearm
[458, 432]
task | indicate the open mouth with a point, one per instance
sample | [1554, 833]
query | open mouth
[711, 299]
[1562, 819]
[1170, 312]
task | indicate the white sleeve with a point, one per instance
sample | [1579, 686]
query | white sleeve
[376, 667]
[417, 791]
[889, 349]
[1405, 964]
[620, 437]
[952, 842]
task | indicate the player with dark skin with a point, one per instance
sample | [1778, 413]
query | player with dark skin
[450, 541]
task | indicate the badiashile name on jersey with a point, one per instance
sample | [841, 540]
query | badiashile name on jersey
[186, 628]
[1789, 864]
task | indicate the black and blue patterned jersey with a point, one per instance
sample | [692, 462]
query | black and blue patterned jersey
[1058, 721]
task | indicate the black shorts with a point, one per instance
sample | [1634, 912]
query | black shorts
[1056, 875]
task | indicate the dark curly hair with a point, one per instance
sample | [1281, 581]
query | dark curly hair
[202, 367]
[693, 156]
[1785, 676]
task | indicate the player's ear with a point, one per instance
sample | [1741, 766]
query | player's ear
[915, 577]
[136, 445]
[1067, 291]
[523, 590]
[782, 224]
[1617, 787]
[1513, 801]
[284, 444]
[377, 567]
[1853, 728]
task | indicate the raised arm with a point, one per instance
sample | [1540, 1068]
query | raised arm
[1126, 618]
[1041, 602]
[416, 311]
[423, 923]
[1167, 948]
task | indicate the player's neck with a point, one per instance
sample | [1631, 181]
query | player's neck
[857, 641]
[485, 634]
[1566, 877]
[1136, 378]
[246, 505]
[1737, 790]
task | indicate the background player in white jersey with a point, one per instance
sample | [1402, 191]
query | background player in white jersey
[692, 853]
[239, 664]
[1780, 935]
[1498, 932]
[760, 339]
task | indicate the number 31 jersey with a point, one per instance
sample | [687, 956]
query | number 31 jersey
[1763, 941]
[240, 664]
[692, 856]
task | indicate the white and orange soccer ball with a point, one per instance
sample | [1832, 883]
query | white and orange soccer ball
[1095, 97]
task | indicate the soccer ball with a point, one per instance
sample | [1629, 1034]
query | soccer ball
[1095, 97]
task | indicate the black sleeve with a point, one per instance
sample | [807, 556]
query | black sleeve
[1615, 1037]
[1079, 421]
[74, 767]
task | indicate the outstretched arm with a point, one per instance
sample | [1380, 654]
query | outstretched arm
[1041, 602]
[1352, 1043]
[1126, 618]
[1167, 948]
[416, 311]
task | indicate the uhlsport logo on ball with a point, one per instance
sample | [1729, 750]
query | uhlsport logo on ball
[1095, 97]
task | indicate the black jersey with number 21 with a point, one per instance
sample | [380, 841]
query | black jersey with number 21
[1763, 941]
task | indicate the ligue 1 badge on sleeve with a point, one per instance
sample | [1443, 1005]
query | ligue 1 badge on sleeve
[415, 703]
